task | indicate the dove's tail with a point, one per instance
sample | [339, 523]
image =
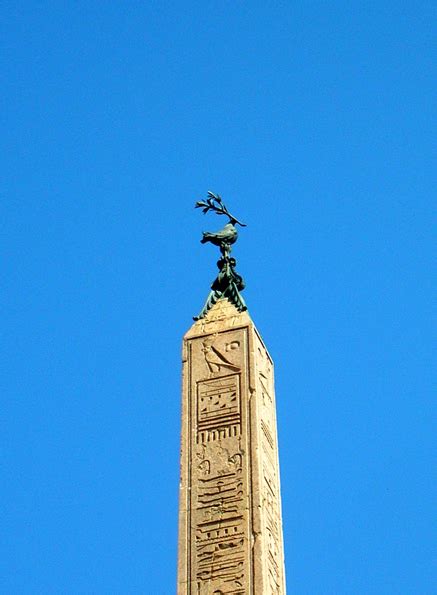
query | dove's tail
[206, 237]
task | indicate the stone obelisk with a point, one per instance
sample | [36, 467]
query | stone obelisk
[230, 527]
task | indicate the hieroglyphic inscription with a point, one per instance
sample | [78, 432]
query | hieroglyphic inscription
[216, 361]
[220, 542]
[220, 539]
[272, 528]
[221, 556]
[273, 532]
[220, 547]
[220, 495]
[267, 434]
[218, 408]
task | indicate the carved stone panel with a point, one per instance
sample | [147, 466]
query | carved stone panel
[218, 408]
[220, 525]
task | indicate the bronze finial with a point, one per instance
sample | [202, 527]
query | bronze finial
[228, 282]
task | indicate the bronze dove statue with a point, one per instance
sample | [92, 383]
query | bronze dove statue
[228, 283]
[227, 235]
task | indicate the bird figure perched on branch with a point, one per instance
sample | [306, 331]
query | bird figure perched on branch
[228, 283]
[226, 236]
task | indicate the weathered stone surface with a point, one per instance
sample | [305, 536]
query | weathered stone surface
[230, 529]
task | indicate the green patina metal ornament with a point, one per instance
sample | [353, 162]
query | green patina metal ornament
[228, 282]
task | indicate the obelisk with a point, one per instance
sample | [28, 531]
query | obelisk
[230, 526]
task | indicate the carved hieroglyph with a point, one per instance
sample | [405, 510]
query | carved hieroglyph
[230, 528]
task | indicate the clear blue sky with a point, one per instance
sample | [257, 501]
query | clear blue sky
[315, 121]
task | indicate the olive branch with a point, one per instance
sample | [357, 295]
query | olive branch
[215, 203]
